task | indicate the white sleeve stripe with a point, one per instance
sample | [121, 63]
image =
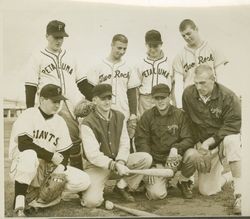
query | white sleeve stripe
[94, 84]
[24, 133]
[31, 84]
[64, 149]
[81, 79]
[134, 86]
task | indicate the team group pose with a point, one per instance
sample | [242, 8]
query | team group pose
[177, 116]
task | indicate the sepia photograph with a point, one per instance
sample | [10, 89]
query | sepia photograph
[124, 108]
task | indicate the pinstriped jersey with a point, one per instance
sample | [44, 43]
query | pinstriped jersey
[120, 76]
[186, 62]
[51, 134]
[61, 69]
[153, 72]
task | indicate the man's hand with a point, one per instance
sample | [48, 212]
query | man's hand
[203, 161]
[121, 169]
[57, 158]
[208, 142]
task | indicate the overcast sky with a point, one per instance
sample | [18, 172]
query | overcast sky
[91, 27]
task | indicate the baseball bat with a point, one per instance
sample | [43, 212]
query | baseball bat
[153, 172]
[135, 211]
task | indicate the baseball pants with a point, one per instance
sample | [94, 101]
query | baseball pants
[158, 190]
[93, 197]
[73, 126]
[29, 169]
[230, 150]
[145, 102]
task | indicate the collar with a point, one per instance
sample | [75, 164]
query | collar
[45, 116]
[169, 112]
[214, 94]
[154, 60]
[99, 115]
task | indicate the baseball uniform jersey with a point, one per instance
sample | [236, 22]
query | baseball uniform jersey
[51, 134]
[121, 77]
[186, 62]
[61, 69]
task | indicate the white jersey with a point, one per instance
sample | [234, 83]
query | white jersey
[61, 69]
[121, 77]
[51, 134]
[153, 72]
[186, 62]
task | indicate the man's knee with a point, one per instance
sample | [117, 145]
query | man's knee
[92, 201]
[140, 160]
[190, 155]
[156, 194]
[232, 147]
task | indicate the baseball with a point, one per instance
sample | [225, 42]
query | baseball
[109, 205]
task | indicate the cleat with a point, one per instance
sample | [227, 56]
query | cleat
[128, 197]
[237, 204]
[186, 189]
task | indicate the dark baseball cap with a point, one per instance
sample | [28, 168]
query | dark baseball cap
[102, 90]
[160, 90]
[53, 92]
[56, 29]
[153, 37]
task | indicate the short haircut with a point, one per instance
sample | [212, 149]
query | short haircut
[120, 37]
[204, 68]
[187, 23]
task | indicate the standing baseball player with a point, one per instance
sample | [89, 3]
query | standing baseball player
[196, 52]
[153, 70]
[57, 66]
[164, 132]
[106, 148]
[39, 145]
[215, 112]
[120, 75]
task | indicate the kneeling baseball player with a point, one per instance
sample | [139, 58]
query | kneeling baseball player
[164, 132]
[39, 150]
[107, 149]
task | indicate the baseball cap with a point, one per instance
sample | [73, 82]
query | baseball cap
[56, 29]
[102, 90]
[160, 90]
[53, 92]
[153, 37]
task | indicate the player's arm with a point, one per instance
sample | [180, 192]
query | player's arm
[185, 137]
[85, 88]
[142, 134]
[26, 143]
[132, 100]
[30, 93]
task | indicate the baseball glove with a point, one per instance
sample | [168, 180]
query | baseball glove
[83, 108]
[52, 187]
[173, 162]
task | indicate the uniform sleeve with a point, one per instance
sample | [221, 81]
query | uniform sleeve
[80, 73]
[93, 76]
[64, 140]
[219, 58]
[92, 148]
[142, 135]
[133, 80]
[185, 138]
[32, 71]
[177, 88]
[124, 147]
[231, 117]
[177, 66]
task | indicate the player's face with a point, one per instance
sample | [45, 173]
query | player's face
[103, 104]
[54, 43]
[154, 51]
[204, 84]
[190, 35]
[49, 106]
[161, 103]
[118, 49]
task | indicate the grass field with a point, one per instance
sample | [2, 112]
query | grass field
[173, 205]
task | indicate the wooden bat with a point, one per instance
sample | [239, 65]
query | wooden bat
[154, 172]
[110, 205]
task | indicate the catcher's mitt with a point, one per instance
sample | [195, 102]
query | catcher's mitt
[173, 162]
[83, 108]
[52, 187]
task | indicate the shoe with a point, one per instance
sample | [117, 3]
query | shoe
[124, 194]
[186, 189]
[237, 204]
[19, 213]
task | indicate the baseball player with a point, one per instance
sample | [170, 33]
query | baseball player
[40, 143]
[196, 52]
[153, 70]
[107, 150]
[215, 112]
[57, 66]
[164, 132]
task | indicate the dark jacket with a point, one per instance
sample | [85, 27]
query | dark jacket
[219, 117]
[157, 134]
